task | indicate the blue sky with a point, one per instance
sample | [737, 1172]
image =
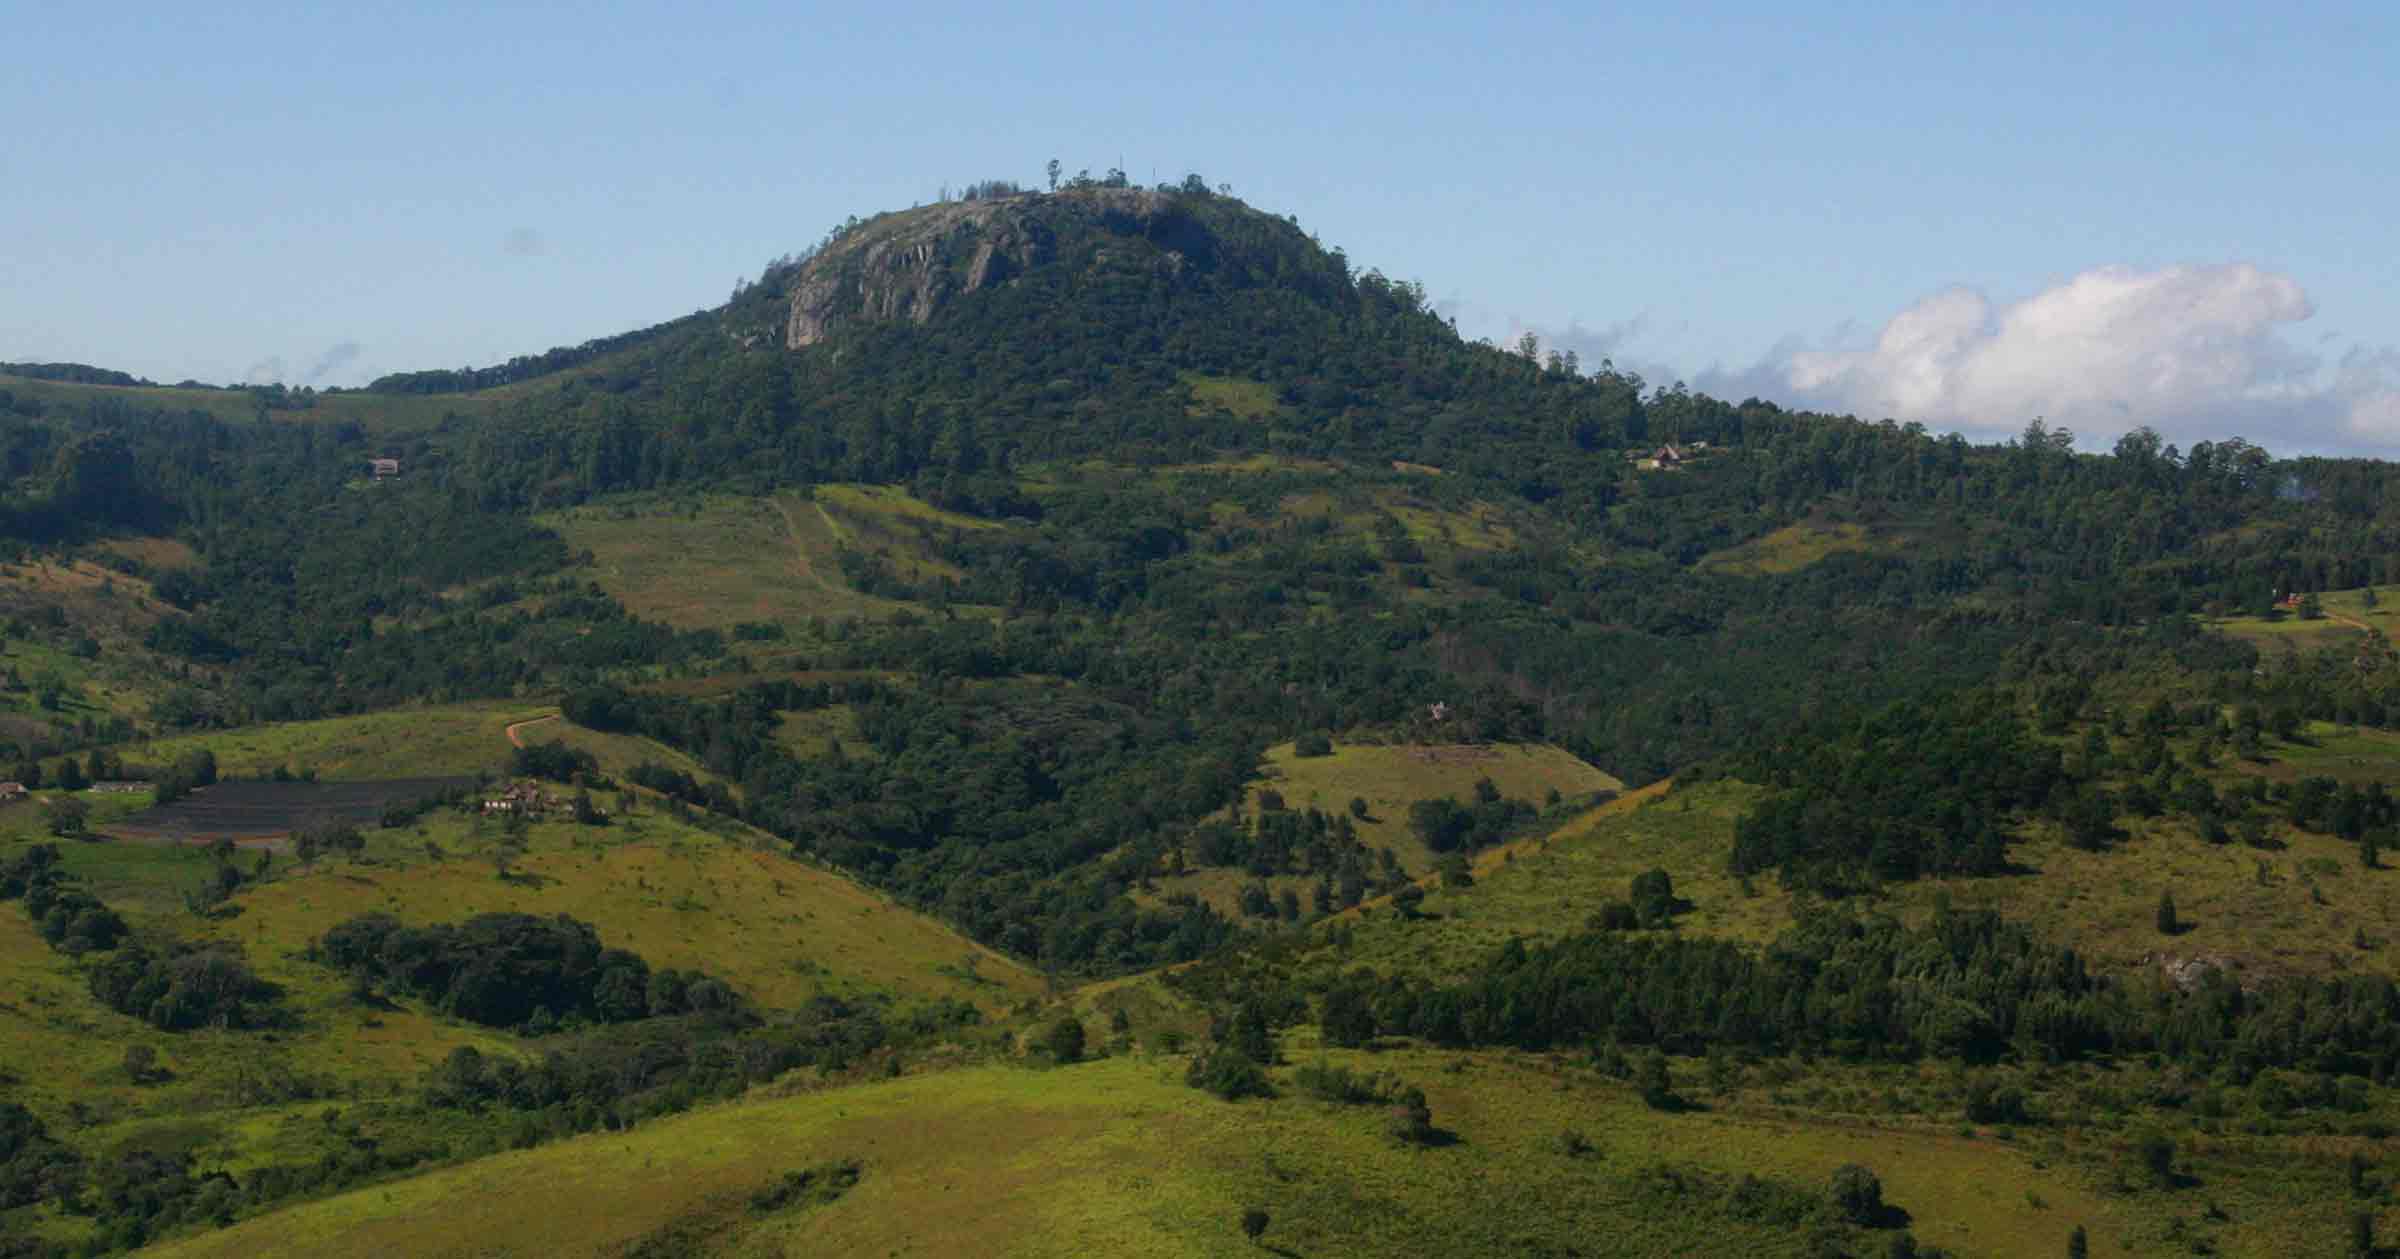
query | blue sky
[2178, 214]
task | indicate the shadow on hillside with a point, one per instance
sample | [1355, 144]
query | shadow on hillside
[1892, 1216]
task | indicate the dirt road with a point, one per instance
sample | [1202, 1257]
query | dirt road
[514, 740]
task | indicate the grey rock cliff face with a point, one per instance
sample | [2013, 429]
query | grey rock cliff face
[910, 267]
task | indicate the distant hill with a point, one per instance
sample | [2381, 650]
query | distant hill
[73, 373]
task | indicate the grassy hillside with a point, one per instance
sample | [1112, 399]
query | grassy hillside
[409, 742]
[1117, 1158]
[713, 561]
[2347, 615]
[2303, 907]
[1794, 547]
[1391, 777]
[1246, 399]
[779, 930]
[79, 628]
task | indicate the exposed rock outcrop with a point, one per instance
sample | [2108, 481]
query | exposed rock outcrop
[908, 266]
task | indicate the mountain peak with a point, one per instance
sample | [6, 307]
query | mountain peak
[909, 265]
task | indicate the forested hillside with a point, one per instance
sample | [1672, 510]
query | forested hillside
[1100, 403]
[1048, 514]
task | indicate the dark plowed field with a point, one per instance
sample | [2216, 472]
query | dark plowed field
[258, 810]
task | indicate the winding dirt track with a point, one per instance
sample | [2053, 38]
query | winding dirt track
[514, 741]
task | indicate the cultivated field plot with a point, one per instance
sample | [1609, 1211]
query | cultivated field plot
[261, 810]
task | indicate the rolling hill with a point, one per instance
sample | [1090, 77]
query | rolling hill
[924, 631]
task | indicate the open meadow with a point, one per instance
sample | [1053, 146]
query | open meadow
[719, 560]
[2347, 614]
[434, 741]
[1118, 1157]
[1390, 778]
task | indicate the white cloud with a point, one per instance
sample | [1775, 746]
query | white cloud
[2193, 351]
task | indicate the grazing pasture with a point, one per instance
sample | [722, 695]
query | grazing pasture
[1391, 777]
[1117, 1157]
[719, 560]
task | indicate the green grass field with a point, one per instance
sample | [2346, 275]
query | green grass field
[1116, 1157]
[2302, 907]
[114, 610]
[1794, 547]
[777, 929]
[718, 560]
[2346, 617]
[2275, 635]
[440, 740]
[1243, 399]
[394, 743]
[1547, 887]
[1391, 778]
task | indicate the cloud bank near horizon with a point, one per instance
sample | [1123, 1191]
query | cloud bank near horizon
[2197, 352]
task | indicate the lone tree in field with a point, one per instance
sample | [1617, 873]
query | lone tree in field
[1653, 897]
[1858, 1194]
[1412, 1119]
[2158, 1156]
[1250, 1036]
[66, 817]
[1064, 1040]
[1254, 1224]
[2168, 923]
[1658, 1086]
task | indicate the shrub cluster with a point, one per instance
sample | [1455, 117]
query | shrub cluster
[517, 971]
[70, 919]
[186, 987]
